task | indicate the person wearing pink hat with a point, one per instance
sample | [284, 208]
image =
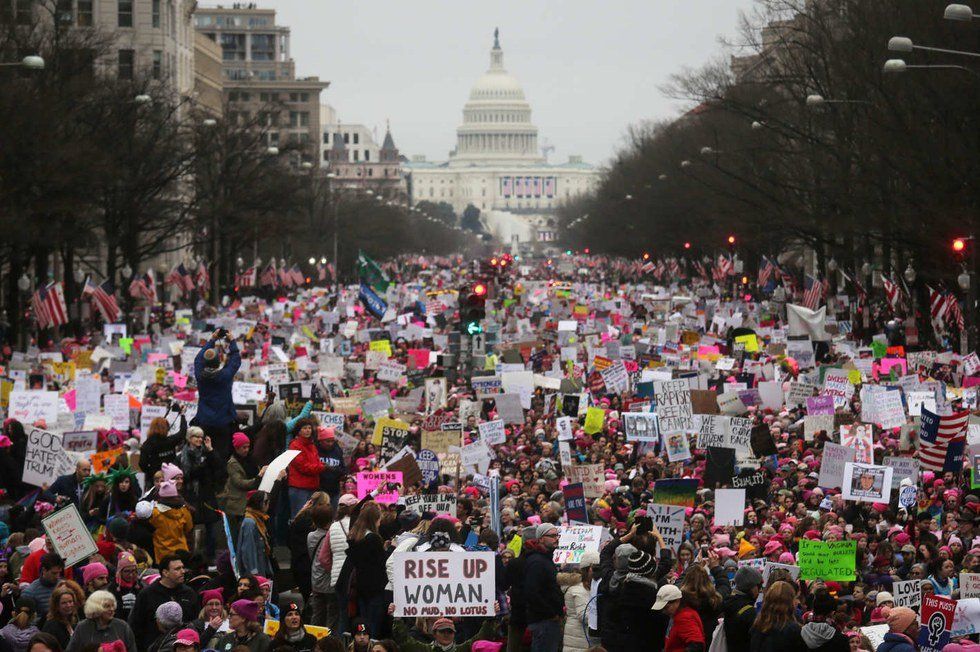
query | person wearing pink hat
[332, 458]
[95, 576]
[242, 476]
[243, 619]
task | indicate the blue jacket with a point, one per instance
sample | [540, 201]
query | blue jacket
[215, 406]
[252, 557]
[896, 643]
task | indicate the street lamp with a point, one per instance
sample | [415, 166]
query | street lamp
[685, 163]
[905, 44]
[306, 165]
[816, 101]
[127, 271]
[240, 262]
[31, 62]
[962, 13]
[272, 151]
[662, 177]
[866, 269]
[832, 265]
[708, 151]
[898, 66]
[142, 98]
[209, 122]
[79, 275]
[323, 260]
[628, 197]
[312, 260]
[24, 282]
[756, 125]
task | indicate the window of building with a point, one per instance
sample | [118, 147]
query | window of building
[326, 155]
[266, 75]
[273, 138]
[356, 137]
[157, 64]
[357, 155]
[370, 172]
[84, 16]
[246, 96]
[326, 137]
[203, 21]
[347, 138]
[263, 47]
[299, 118]
[367, 155]
[233, 47]
[432, 192]
[155, 13]
[125, 15]
[127, 59]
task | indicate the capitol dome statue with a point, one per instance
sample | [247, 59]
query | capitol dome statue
[497, 126]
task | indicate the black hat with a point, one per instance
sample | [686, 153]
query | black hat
[359, 626]
[642, 563]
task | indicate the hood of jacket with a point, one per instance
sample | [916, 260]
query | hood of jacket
[817, 634]
[569, 579]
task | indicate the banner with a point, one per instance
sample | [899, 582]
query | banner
[575, 510]
[936, 622]
[574, 540]
[443, 584]
[386, 483]
[438, 503]
[45, 459]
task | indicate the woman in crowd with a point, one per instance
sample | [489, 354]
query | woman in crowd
[159, 447]
[700, 593]
[305, 469]
[775, 628]
[18, 632]
[254, 544]
[124, 491]
[213, 619]
[100, 625]
[245, 630]
[366, 558]
[62, 615]
[243, 476]
[291, 631]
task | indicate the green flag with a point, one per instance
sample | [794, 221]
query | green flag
[371, 274]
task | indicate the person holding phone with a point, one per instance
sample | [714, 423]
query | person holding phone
[216, 409]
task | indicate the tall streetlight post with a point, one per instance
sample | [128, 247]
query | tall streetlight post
[32, 62]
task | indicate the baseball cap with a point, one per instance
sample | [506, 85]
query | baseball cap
[443, 623]
[187, 637]
[667, 593]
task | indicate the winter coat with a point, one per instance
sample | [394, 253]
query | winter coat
[576, 600]
[215, 406]
[738, 610]
[237, 486]
[319, 576]
[896, 643]
[299, 556]
[160, 449]
[338, 547]
[333, 467]
[785, 639]
[368, 559]
[257, 643]
[171, 525]
[88, 632]
[824, 637]
[685, 630]
[142, 619]
[541, 591]
[304, 470]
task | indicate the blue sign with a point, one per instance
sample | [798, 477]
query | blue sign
[374, 304]
[428, 463]
[575, 503]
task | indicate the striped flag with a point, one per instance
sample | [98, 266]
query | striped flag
[297, 275]
[285, 278]
[892, 292]
[812, 292]
[942, 440]
[201, 277]
[954, 314]
[937, 304]
[182, 278]
[765, 272]
[268, 276]
[246, 279]
[49, 306]
[104, 298]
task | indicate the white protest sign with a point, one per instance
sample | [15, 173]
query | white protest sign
[33, 405]
[837, 383]
[564, 427]
[79, 440]
[438, 503]
[867, 482]
[492, 432]
[148, 414]
[966, 619]
[330, 419]
[573, 540]
[889, 409]
[276, 466]
[391, 372]
[835, 457]
[904, 467]
[476, 454]
[674, 406]
[907, 593]
[88, 395]
[875, 634]
[969, 585]
[245, 393]
[449, 584]
[729, 506]
[669, 520]
[641, 426]
[67, 533]
[45, 459]
[117, 409]
[794, 571]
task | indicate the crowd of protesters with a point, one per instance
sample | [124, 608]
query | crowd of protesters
[315, 552]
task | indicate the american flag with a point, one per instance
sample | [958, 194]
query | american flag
[765, 272]
[725, 265]
[812, 291]
[49, 306]
[297, 275]
[321, 272]
[648, 267]
[246, 279]
[104, 298]
[201, 276]
[942, 440]
[180, 277]
[268, 276]
[892, 292]
[937, 304]
[954, 315]
[285, 278]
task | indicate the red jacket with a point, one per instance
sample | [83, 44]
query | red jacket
[685, 629]
[304, 470]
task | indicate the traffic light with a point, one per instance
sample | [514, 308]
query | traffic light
[472, 308]
[731, 240]
[687, 245]
[959, 245]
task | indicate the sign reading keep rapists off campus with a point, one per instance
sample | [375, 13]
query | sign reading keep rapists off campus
[443, 584]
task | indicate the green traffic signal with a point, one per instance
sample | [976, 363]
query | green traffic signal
[474, 328]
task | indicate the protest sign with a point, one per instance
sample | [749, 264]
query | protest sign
[794, 571]
[857, 436]
[45, 458]
[591, 476]
[31, 406]
[594, 418]
[330, 419]
[79, 440]
[969, 585]
[712, 431]
[675, 491]
[674, 406]
[509, 408]
[428, 462]
[729, 506]
[820, 405]
[827, 560]
[441, 440]
[678, 447]
[669, 521]
[393, 429]
[67, 533]
[487, 386]
[450, 584]
[244, 393]
[276, 466]
[867, 482]
[384, 485]
[753, 482]
[936, 622]
[574, 540]
[875, 634]
[117, 408]
[438, 503]
[907, 593]
[640, 426]
[574, 494]
[476, 454]
[492, 432]
[903, 467]
[835, 457]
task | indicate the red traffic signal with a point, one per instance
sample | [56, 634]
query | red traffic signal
[731, 239]
[959, 245]
[687, 245]
[646, 256]
[480, 290]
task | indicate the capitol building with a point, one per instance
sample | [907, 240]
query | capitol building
[498, 166]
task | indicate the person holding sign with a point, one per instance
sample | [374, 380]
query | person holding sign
[216, 409]
[305, 469]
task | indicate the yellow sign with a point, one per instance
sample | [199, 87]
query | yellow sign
[101, 462]
[382, 345]
[64, 369]
[854, 375]
[594, 418]
[272, 628]
[381, 424]
[750, 341]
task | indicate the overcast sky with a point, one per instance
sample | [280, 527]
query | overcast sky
[589, 68]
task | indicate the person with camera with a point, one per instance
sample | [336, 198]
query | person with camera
[159, 447]
[216, 408]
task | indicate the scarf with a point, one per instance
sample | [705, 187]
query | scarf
[260, 519]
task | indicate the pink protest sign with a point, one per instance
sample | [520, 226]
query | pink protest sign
[884, 367]
[421, 357]
[386, 483]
